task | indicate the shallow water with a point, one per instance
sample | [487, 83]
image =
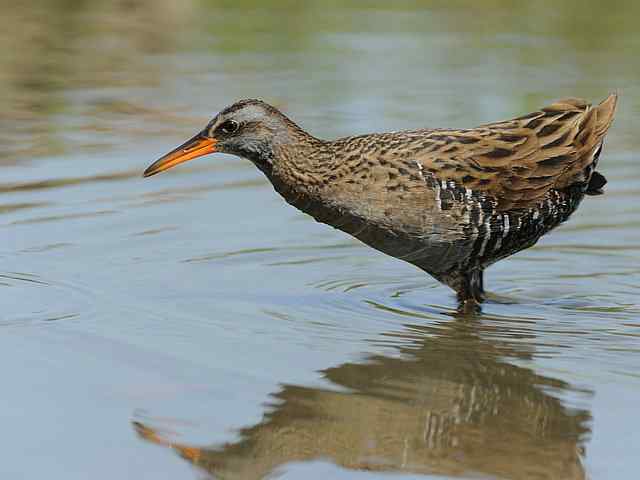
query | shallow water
[193, 324]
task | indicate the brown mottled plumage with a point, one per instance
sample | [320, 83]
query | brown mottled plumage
[451, 202]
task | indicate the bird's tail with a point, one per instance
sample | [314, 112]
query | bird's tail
[604, 114]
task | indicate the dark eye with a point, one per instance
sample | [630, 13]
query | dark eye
[228, 127]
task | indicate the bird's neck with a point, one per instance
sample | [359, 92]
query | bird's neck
[301, 163]
[304, 164]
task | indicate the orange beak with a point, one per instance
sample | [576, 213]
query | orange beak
[196, 147]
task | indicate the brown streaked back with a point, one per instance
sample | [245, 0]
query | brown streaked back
[518, 161]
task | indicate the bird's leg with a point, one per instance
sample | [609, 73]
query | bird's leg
[470, 290]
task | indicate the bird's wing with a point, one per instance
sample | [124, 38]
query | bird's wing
[518, 161]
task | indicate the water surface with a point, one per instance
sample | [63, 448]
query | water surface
[193, 324]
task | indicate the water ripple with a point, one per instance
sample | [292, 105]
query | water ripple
[38, 299]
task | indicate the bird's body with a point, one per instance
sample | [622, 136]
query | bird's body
[451, 202]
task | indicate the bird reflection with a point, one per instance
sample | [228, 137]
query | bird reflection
[451, 402]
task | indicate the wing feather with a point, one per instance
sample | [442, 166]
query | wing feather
[518, 161]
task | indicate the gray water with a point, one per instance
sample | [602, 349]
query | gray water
[194, 325]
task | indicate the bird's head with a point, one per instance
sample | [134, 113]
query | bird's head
[249, 129]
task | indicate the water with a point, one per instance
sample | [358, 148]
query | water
[194, 325]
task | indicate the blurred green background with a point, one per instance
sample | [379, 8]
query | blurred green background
[53, 49]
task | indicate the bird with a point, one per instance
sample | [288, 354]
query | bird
[449, 201]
